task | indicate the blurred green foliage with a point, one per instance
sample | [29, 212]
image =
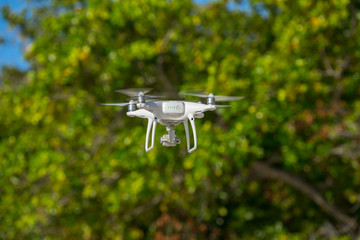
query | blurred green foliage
[281, 164]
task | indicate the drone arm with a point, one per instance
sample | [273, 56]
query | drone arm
[151, 123]
[186, 125]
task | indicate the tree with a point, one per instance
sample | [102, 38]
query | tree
[71, 168]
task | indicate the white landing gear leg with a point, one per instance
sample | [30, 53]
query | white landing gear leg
[186, 125]
[152, 121]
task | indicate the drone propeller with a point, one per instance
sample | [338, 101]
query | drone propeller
[217, 98]
[220, 106]
[152, 97]
[131, 102]
[116, 104]
[134, 92]
[138, 94]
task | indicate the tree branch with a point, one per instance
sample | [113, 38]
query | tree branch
[163, 77]
[335, 72]
[264, 171]
[137, 211]
[160, 65]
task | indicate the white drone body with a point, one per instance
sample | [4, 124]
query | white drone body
[170, 114]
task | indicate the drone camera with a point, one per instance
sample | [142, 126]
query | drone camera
[170, 139]
[167, 142]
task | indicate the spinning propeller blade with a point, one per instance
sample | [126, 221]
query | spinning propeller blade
[133, 92]
[218, 98]
[116, 104]
[219, 106]
[194, 94]
[152, 96]
[128, 103]
[147, 96]
[227, 98]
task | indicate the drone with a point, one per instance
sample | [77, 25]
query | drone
[169, 113]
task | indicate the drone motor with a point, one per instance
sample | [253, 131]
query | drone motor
[132, 106]
[210, 99]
